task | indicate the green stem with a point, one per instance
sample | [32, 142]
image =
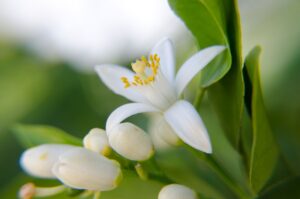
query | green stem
[221, 174]
[97, 195]
[159, 174]
[199, 96]
[161, 178]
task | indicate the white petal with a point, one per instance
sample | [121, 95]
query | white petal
[159, 93]
[125, 111]
[194, 64]
[81, 168]
[38, 161]
[111, 76]
[166, 133]
[188, 125]
[165, 50]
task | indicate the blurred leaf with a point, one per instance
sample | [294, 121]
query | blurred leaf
[284, 109]
[133, 187]
[264, 152]
[206, 21]
[223, 152]
[286, 189]
[32, 135]
[184, 167]
[227, 94]
[23, 88]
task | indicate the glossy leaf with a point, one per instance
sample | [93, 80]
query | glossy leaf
[205, 19]
[227, 94]
[264, 152]
[32, 135]
[217, 22]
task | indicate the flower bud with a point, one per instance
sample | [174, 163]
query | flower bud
[38, 161]
[131, 142]
[177, 191]
[29, 191]
[84, 169]
[96, 140]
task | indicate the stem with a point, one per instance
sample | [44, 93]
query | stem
[97, 195]
[199, 97]
[159, 175]
[161, 178]
[221, 174]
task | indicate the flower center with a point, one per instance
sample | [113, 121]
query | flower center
[146, 71]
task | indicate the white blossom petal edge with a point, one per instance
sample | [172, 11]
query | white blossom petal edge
[156, 89]
[188, 125]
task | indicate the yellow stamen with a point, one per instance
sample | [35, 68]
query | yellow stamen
[125, 81]
[139, 67]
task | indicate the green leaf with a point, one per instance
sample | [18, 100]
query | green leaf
[217, 22]
[205, 19]
[20, 94]
[264, 153]
[227, 94]
[288, 188]
[184, 167]
[32, 135]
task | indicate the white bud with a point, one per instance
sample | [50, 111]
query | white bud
[81, 168]
[97, 141]
[29, 191]
[131, 142]
[38, 161]
[177, 191]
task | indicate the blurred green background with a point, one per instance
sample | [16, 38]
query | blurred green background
[35, 90]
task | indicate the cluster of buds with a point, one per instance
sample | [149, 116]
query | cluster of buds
[85, 168]
[76, 167]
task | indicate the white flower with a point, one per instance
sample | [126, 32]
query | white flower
[177, 191]
[96, 140]
[38, 161]
[155, 88]
[81, 168]
[131, 142]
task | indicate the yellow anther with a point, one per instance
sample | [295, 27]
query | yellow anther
[139, 66]
[125, 81]
[150, 78]
[142, 77]
[138, 80]
[144, 59]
